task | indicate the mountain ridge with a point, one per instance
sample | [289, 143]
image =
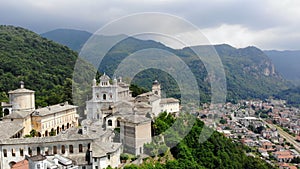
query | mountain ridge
[287, 62]
[249, 72]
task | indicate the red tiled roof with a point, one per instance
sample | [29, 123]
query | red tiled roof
[292, 167]
[283, 153]
[285, 156]
[21, 165]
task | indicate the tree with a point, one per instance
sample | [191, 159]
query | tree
[223, 121]
[33, 133]
[52, 133]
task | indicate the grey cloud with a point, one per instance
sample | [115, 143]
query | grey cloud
[92, 14]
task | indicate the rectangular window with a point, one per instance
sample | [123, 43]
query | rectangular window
[54, 150]
[13, 153]
[21, 152]
[5, 153]
[30, 151]
[71, 149]
[80, 148]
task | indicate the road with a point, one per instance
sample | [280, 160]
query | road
[287, 136]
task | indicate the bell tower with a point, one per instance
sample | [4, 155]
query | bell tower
[156, 88]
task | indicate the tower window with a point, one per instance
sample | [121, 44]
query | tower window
[104, 96]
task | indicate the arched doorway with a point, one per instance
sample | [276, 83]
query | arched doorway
[39, 134]
[57, 130]
[52, 132]
[63, 127]
[46, 133]
[118, 122]
[68, 125]
[11, 164]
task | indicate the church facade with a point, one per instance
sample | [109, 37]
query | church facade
[112, 105]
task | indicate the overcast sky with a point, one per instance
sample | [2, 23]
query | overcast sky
[269, 24]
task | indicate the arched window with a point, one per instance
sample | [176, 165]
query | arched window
[109, 122]
[104, 96]
[63, 149]
[118, 123]
[11, 164]
[71, 149]
[38, 150]
[80, 148]
[6, 112]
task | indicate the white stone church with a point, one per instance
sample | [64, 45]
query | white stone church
[112, 101]
[112, 105]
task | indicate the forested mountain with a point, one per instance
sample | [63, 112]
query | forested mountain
[74, 39]
[249, 72]
[44, 66]
[287, 63]
[47, 68]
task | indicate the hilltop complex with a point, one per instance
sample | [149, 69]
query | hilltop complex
[50, 137]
